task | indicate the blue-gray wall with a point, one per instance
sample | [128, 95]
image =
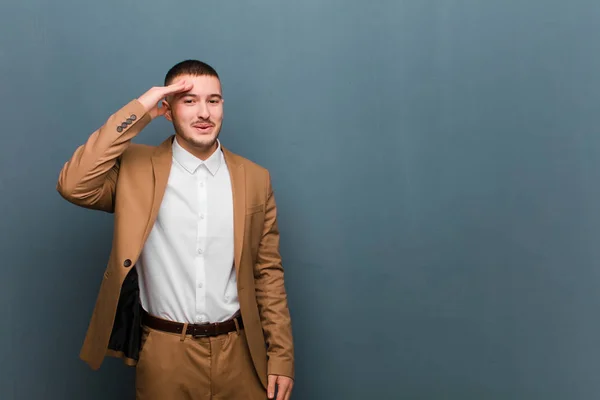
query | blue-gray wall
[436, 166]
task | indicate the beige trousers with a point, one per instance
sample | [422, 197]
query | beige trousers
[180, 367]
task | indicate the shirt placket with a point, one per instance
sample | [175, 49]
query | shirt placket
[201, 245]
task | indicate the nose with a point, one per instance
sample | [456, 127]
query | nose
[203, 111]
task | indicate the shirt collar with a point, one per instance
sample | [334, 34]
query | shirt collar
[191, 163]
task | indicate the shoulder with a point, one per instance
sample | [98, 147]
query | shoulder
[257, 177]
[251, 168]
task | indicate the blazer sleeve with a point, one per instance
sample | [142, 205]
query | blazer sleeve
[89, 178]
[271, 295]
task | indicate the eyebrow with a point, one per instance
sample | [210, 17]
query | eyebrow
[214, 95]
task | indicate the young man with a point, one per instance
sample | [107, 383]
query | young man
[193, 294]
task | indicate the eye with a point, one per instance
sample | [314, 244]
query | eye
[188, 101]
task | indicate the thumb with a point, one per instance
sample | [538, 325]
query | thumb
[271, 386]
[161, 111]
[157, 112]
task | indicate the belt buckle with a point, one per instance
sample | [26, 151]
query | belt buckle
[200, 331]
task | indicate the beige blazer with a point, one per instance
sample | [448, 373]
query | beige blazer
[112, 174]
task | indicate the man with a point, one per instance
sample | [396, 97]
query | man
[193, 294]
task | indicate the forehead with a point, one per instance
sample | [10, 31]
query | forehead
[204, 85]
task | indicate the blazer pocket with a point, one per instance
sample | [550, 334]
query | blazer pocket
[254, 209]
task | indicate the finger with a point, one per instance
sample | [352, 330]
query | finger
[289, 391]
[178, 83]
[282, 388]
[271, 386]
[178, 87]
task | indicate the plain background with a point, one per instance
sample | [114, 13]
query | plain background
[436, 166]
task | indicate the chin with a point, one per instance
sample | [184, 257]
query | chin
[203, 141]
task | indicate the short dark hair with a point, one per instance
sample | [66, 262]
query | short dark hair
[190, 67]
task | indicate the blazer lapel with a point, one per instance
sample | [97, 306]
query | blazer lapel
[238, 189]
[161, 167]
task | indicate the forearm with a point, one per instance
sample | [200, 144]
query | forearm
[276, 322]
[88, 179]
[272, 298]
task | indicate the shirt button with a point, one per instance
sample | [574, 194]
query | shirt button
[201, 184]
[199, 251]
[201, 216]
[200, 285]
[226, 298]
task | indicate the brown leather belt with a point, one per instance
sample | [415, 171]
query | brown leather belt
[196, 330]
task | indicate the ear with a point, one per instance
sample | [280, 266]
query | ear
[168, 113]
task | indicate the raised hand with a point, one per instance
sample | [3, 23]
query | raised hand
[150, 100]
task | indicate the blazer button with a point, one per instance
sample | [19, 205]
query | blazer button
[133, 117]
[119, 129]
[127, 263]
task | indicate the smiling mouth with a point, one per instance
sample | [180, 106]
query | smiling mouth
[202, 126]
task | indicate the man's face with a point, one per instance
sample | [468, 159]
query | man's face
[197, 114]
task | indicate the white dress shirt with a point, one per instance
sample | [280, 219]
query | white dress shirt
[186, 268]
